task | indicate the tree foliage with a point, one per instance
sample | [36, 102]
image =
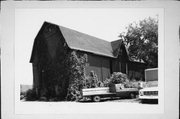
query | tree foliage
[142, 41]
[117, 77]
[92, 81]
[76, 68]
[120, 78]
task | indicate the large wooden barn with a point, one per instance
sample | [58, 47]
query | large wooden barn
[104, 57]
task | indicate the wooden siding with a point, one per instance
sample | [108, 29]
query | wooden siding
[100, 65]
[118, 66]
[136, 70]
[120, 63]
[48, 50]
[35, 76]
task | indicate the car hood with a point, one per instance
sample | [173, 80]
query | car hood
[149, 89]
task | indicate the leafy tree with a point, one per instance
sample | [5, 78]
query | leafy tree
[141, 39]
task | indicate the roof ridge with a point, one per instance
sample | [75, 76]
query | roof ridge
[77, 31]
[116, 40]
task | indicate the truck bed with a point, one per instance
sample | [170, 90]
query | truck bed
[96, 91]
[106, 91]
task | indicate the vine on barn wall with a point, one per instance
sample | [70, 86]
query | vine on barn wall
[76, 62]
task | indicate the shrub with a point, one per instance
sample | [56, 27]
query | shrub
[76, 67]
[73, 94]
[31, 95]
[90, 81]
[116, 77]
[22, 95]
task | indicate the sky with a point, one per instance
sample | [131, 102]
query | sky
[104, 23]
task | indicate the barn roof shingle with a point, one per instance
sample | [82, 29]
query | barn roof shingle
[81, 41]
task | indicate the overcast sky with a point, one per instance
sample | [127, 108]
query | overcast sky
[102, 23]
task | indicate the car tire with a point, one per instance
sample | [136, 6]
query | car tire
[96, 98]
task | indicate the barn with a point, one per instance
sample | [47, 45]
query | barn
[104, 57]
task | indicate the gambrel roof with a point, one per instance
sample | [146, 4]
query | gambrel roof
[81, 41]
[84, 42]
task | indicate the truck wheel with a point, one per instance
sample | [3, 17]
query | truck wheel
[96, 98]
[84, 99]
[132, 95]
[142, 101]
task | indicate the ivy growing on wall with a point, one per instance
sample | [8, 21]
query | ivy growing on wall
[76, 62]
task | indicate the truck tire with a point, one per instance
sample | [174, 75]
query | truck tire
[142, 101]
[96, 98]
[84, 99]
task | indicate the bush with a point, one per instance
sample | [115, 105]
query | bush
[73, 94]
[92, 81]
[31, 95]
[76, 67]
[116, 77]
[22, 95]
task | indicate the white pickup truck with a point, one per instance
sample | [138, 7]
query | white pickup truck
[116, 90]
[150, 90]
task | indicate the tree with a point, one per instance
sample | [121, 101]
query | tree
[141, 39]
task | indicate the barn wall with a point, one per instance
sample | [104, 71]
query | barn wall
[115, 66]
[48, 51]
[105, 68]
[36, 76]
[100, 65]
[136, 70]
[54, 41]
[118, 66]
[120, 63]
